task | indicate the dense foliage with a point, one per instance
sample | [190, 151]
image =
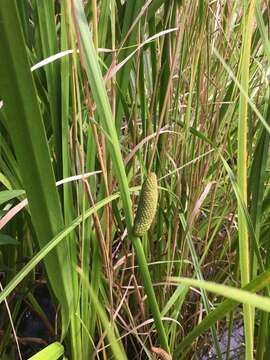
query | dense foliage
[95, 95]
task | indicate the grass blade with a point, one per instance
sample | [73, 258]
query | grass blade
[30, 144]
[51, 352]
[239, 295]
[223, 308]
[244, 251]
[103, 108]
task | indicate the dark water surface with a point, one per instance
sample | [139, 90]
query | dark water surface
[32, 326]
[236, 344]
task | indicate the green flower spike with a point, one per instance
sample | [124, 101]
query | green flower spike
[147, 205]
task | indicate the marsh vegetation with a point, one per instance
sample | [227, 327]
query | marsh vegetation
[95, 96]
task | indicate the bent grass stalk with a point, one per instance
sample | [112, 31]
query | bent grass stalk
[95, 79]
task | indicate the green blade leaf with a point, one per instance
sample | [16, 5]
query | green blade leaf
[26, 130]
[239, 295]
[51, 352]
[7, 240]
[7, 195]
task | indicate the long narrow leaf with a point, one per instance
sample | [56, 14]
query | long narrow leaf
[27, 132]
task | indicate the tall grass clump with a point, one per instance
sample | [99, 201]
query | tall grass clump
[134, 180]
